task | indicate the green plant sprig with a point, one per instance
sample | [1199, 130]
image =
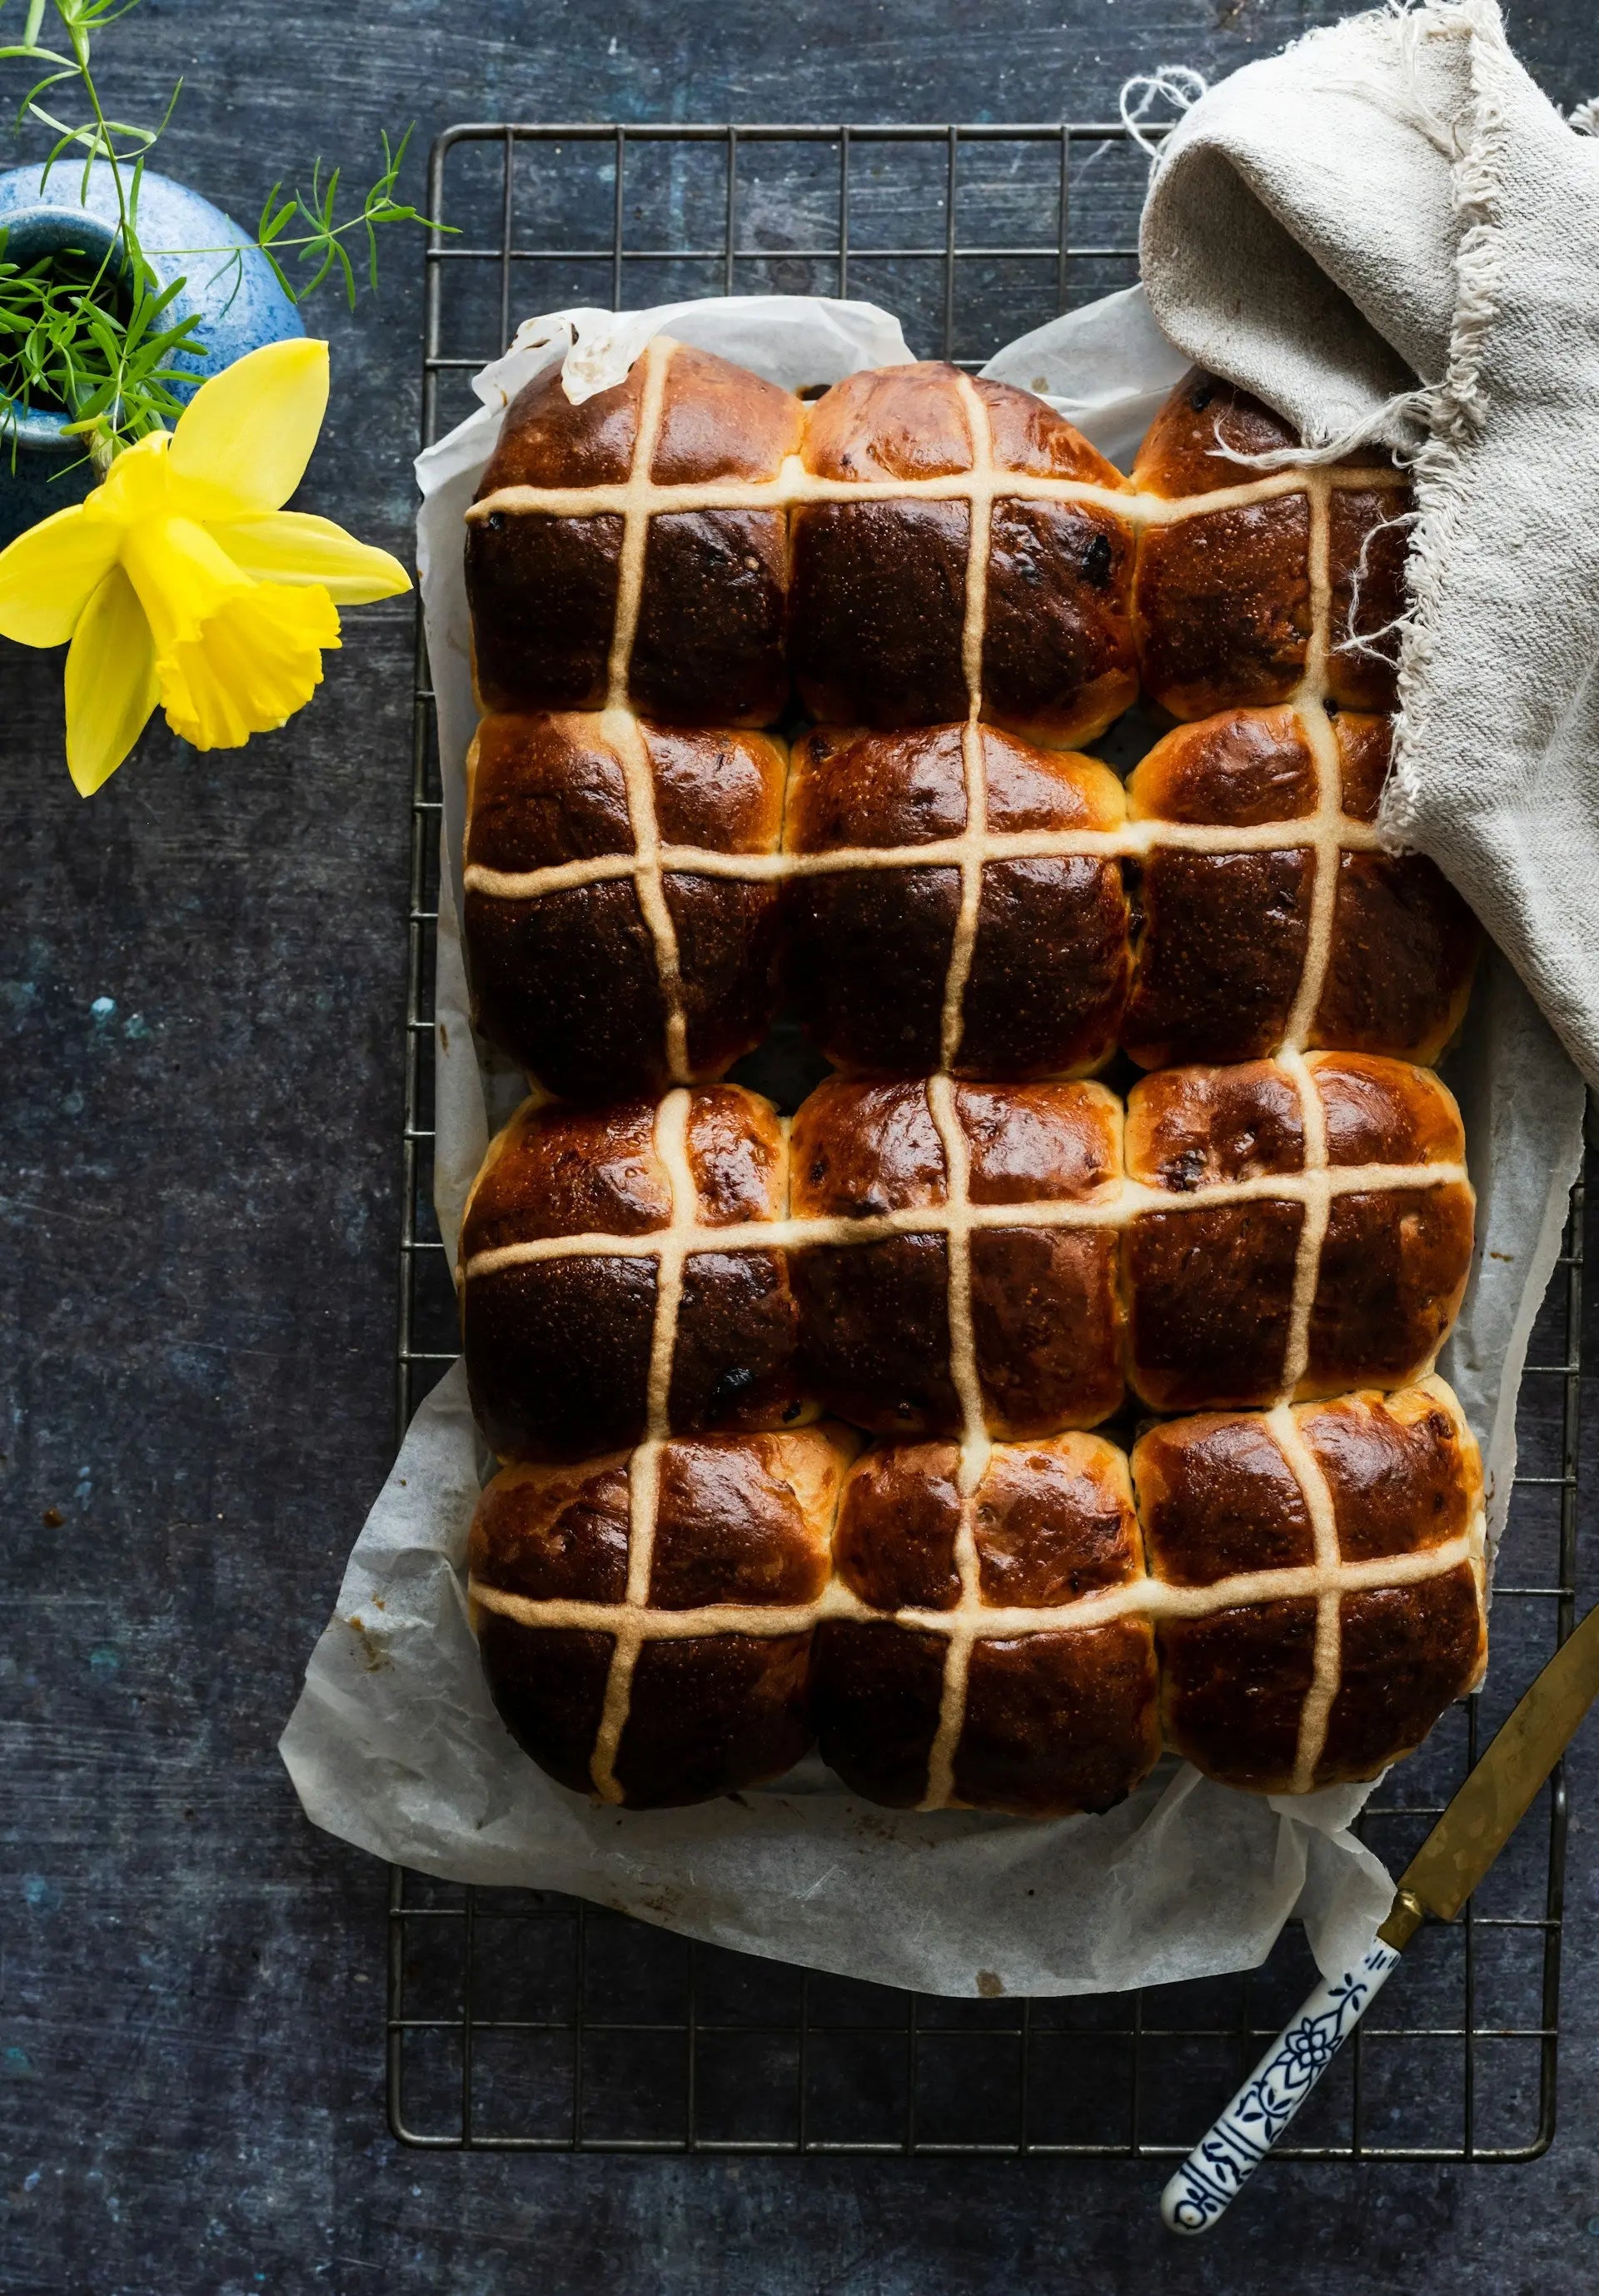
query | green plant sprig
[62, 347]
[322, 244]
[93, 345]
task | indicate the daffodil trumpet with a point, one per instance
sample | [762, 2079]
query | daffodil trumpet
[182, 580]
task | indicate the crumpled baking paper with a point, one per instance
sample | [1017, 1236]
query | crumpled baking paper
[395, 1744]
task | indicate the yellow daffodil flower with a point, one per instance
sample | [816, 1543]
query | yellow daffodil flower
[182, 580]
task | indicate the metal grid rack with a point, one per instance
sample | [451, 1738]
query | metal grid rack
[524, 2021]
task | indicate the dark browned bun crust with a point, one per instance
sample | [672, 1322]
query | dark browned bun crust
[1224, 936]
[1405, 945]
[568, 982]
[1222, 599]
[1216, 604]
[1233, 1691]
[709, 642]
[850, 1307]
[880, 592]
[678, 1584]
[880, 585]
[1218, 1500]
[870, 948]
[1056, 1723]
[1058, 662]
[1051, 1721]
[1236, 769]
[877, 632]
[740, 1520]
[1220, 954]
[1221, 606]
[1046, 1307]
[1210, 1290]
[1094, 1609]
[712, 1715]
[1179, 453]
[1368, 541]
[558, 1351]
[895, 1542]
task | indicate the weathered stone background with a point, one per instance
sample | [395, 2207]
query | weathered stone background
[201, 977]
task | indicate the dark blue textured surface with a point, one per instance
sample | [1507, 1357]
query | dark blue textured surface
[201, 984]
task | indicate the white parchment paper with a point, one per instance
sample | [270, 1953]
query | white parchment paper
[395, 1744]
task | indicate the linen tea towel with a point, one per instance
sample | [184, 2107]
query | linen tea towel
[1389, 232]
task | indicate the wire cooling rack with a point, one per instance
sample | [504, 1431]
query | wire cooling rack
[524, 2021]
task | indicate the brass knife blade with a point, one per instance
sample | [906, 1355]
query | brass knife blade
[1500, 1790]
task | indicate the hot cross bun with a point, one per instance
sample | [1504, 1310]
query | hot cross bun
[562, 1298]
[1318, 1234]
[967, 1683]
[1239, 950]
[1291, 581]
[973, 556]
[960, 1243]
[1323, 1572]
[596, 972]
[931, 1297]
[984, 960]
[645, 1620]
[584, 590]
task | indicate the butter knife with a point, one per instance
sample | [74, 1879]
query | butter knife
[1437, 1881]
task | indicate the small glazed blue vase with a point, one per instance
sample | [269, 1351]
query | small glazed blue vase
[228, 284]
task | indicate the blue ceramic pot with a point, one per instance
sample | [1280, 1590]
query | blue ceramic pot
[239, 304]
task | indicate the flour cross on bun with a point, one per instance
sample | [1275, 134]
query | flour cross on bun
[1289, 1599]
[621, 1269]
[721, 1289]
[946, 559]
[947, 1258]
[1261, 585]
[962, 1243]
[645, 1618]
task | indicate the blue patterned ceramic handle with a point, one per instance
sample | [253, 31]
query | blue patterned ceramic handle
[1220, 2164]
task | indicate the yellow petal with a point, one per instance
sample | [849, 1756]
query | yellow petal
[254, 662]
[181, 575]
[110, 683]
[137, 485]
[246, 436]
[49, 574]
[290, 546]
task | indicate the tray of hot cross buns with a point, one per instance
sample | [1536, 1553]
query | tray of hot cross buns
[961, 1214]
